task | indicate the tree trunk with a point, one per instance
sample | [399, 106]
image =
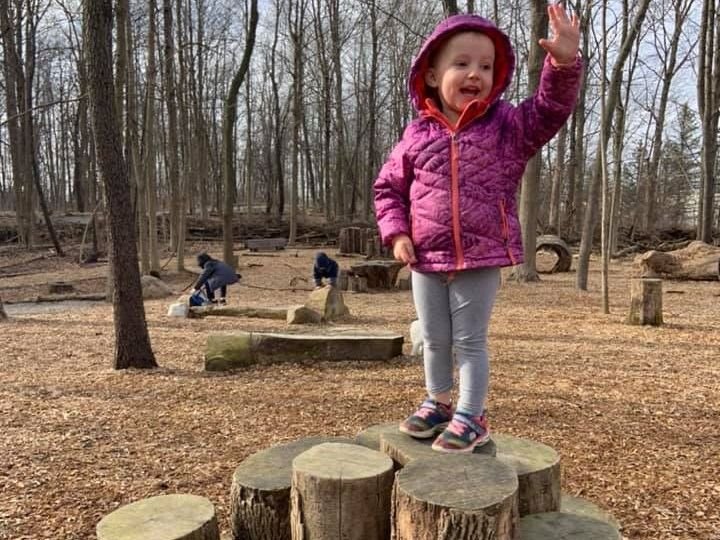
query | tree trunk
[531, 179]
[172, 143]
[132, 343]
[590, 218]
[709, 106]
[149, 147]
[229, 116]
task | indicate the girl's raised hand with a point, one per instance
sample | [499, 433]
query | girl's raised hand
[563, 47]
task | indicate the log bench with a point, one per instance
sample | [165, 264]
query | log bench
[265, 244]
[241, 349]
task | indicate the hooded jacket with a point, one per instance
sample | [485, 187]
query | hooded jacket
[215, 273]
[324, 267]
[452, 189]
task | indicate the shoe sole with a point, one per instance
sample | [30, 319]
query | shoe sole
[423, 434]
[467, 450]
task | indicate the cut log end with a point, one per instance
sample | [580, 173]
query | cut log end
[473, 496]
[166, 517]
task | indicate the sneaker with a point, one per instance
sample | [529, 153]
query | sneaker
[222, 302]
[464, 433]
[430, 418]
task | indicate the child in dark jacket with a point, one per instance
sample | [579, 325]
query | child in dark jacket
[216, 275]
[325, 268]
[445, 201]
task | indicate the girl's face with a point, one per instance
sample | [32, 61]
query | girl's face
[462, 72]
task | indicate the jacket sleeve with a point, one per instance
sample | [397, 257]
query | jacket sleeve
[537, 119]
[317, 276]
[392, 193]
[207, 272]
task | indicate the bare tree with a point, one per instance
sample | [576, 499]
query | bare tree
[531, 178]
[229, 116]
[132, 342]
[709, 106]
[590, 218]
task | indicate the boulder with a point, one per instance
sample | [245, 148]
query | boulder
[303, 315]
[153, 287]
[328, 301]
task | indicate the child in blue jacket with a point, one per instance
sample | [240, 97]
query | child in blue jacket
[325, 268]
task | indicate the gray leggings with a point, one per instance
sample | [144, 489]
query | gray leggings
[456, 313]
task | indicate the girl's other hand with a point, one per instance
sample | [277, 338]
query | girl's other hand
[403, 249]
[563, 47]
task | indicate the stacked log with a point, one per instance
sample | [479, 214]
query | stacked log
[361, 241]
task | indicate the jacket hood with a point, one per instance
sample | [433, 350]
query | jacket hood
[203, 258]
[504, 56]
[321, 259]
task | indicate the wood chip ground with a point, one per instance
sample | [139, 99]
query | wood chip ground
[633, 411]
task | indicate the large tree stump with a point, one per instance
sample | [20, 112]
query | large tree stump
[645, 302]
[260, 491]
[166, 517]
[357, 284]
[241, 349]
[697, 261]
[403, 449]
[341, 491]
[538, 470]
[379, 274]
[458, 497]
[566, 526]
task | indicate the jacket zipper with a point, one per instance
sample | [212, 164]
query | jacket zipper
[506, 231]
[455, 200]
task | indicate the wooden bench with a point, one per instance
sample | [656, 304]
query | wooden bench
[265, 244]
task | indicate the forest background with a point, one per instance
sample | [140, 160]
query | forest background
[324, 100]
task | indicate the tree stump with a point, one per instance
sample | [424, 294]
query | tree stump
[403, 281]
[342, 280]
[341, 491]
[379, 274]
[357, 284]
[3, 315]
[538, 470]
[645, 302]
[570, 504]
[260, 491]
[403, 449]
[370, 437]
[459, 497]
[165, 517]
[566, 526]
[60, 287]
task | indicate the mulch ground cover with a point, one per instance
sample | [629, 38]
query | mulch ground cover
[633, 411]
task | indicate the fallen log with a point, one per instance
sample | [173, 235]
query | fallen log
[697, 262]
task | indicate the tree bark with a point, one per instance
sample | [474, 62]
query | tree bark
[229, 116]
[132, 343]
[526, 272]
[590, 218]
